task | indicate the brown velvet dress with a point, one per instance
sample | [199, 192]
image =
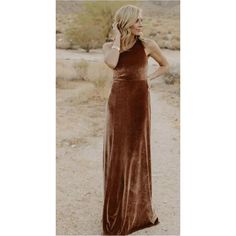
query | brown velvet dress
[127, 203]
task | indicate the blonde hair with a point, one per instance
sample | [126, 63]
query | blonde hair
[125, 17]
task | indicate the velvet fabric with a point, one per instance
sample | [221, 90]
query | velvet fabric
[127, 205]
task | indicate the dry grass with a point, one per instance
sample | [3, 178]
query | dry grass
[101, 76]
[97, 75]
[164, 31]
[65, 70]
[173, 75]
[81, 69]
[74, 92]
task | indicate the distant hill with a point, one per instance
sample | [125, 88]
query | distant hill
[150, 8]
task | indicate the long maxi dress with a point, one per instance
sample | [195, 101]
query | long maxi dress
[127, 205]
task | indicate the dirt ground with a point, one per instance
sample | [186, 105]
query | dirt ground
[80, 127]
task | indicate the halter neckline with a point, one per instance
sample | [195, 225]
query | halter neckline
[132, 46]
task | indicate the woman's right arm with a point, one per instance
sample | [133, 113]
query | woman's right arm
[111, 55]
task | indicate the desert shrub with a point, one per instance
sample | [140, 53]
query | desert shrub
[92, 27]
[65, 70]
[97, 73]
[81, 69]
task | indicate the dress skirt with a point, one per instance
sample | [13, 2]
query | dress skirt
[127, 159]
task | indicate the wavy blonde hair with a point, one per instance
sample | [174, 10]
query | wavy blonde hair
[125, 17]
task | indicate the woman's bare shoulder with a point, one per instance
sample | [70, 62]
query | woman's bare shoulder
[149, 43]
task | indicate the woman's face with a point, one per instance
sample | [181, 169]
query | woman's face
[136, 29]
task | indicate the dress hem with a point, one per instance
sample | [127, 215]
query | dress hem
[156, 222]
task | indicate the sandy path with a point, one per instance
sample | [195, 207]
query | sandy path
[79, 160]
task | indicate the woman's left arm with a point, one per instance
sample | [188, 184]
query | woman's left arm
[156, 54]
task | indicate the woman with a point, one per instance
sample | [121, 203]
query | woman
[126, 147]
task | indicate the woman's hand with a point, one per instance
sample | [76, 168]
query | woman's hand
[156, 53]
[115, 29]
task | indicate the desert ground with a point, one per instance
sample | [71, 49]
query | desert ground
[80, 127]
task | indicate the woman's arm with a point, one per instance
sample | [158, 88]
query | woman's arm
[156, 54]
[111, 55]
